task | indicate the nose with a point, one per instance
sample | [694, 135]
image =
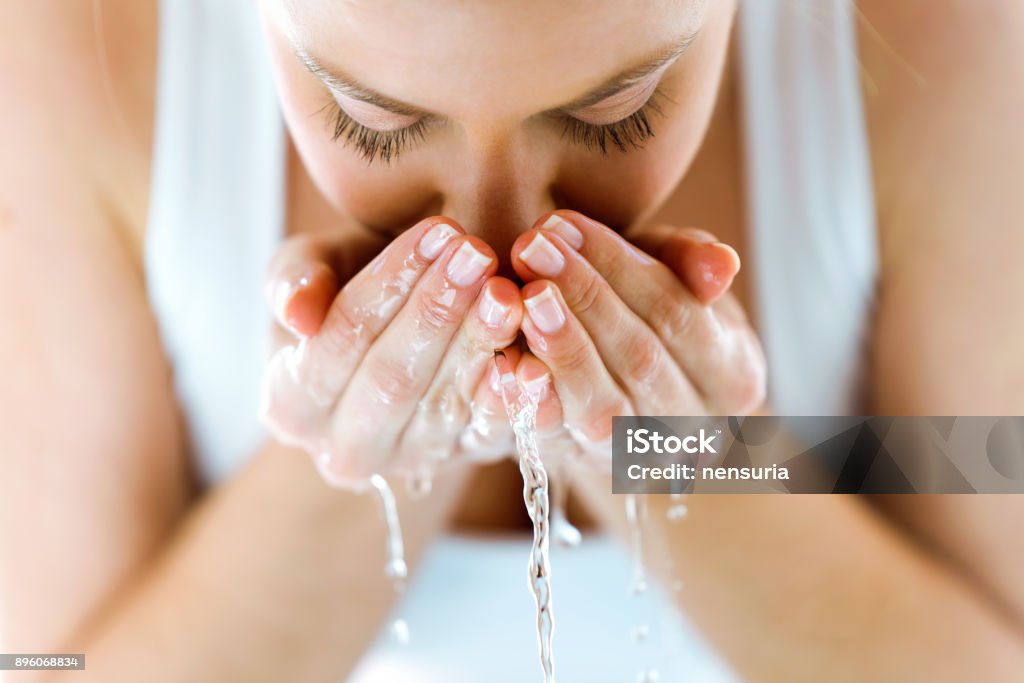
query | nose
[498, 194]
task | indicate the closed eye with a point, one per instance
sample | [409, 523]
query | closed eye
[631, 132]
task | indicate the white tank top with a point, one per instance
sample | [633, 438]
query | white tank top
[216, 214]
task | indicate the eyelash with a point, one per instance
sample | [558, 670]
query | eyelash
[371, 143]
[631, 132]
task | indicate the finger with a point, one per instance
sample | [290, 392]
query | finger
[300, 283]
[398, 368]
[705, 265]
[445, 409]
[635, 355]
[554, 442]
[367, 303]
[488, 435]
[589, 395]
[713, 345]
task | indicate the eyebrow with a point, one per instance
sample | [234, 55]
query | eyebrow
[350, 87]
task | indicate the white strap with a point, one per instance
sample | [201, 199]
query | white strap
[813, 225]
[215, 214]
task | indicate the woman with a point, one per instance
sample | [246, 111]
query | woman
[170, 536]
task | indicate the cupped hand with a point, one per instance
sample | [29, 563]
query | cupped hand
[612, 330]
[388, 368]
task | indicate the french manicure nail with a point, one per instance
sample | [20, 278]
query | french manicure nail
[466, 265]
[491, 311]
[432, 243]
[543, 257]
[545, 312]
[564, 229]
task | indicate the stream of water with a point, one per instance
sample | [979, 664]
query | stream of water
[396, 569]
[521, 407]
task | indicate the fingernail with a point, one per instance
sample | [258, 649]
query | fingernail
[467, 265]
[545, 312]
[543, 257]
[286, 289]
[564, 229]
[730, 252]
[491, 311]
[434, 240]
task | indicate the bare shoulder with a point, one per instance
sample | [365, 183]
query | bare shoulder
[78, 79]
[943, 93]
[944, 88]
[90, 423]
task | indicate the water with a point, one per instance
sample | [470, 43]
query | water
[636, 513]
[522, 414]
[400, 631]
[396, 570]
[566, 535]
[677, 510]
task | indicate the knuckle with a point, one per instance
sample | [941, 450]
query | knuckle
[588, 295]
[341, 330]
[445, 408]
[437, 311]
[616, 269]
[569, 354]
[390, 382]
[646, 359]
[671, 317]
[476, 345]
[746, 388]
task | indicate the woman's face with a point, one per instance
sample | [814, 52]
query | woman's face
[494, 112]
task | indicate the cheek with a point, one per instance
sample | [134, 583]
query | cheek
[382, 198]
[625, 188]
[378, 197]
[621, 188]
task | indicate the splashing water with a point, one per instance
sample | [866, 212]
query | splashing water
[636, 513]
[521, 407]
[566, 535]
[396, 569]
[677, 510]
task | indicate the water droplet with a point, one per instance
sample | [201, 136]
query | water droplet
[396, 569]
[647, 676]
[640, 633]
[400, 631]
[677, 512]
[566, 535]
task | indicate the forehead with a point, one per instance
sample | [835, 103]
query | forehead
[460, 56]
